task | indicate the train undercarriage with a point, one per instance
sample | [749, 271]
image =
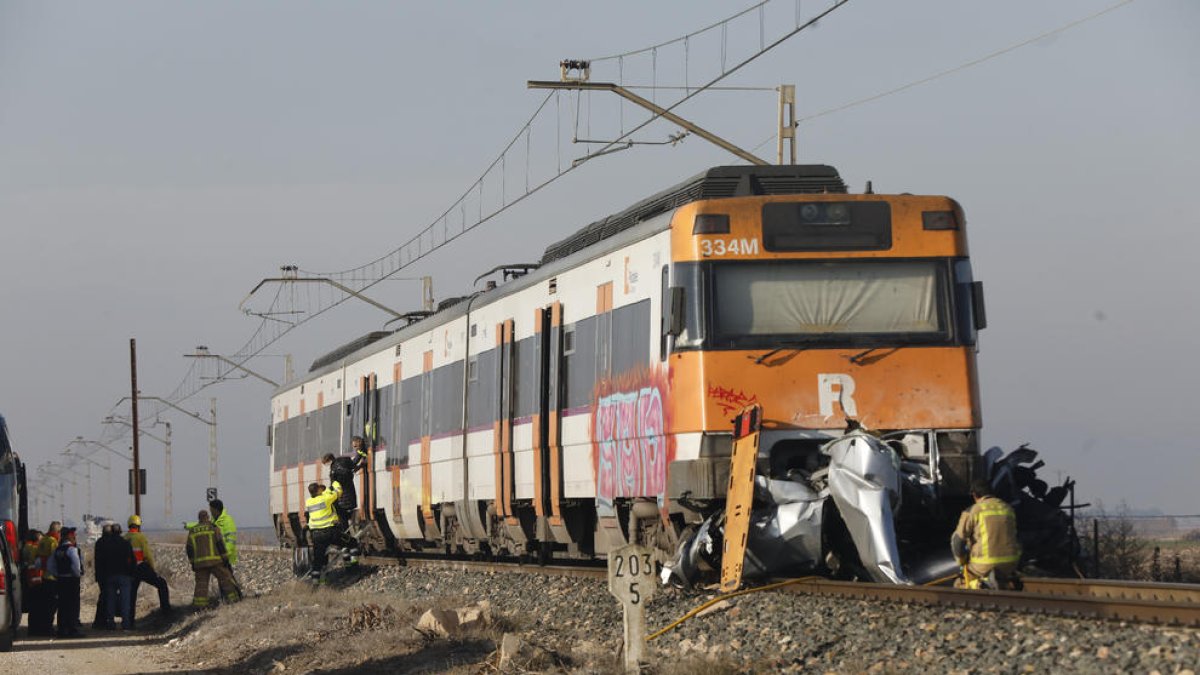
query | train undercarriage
[862, 506]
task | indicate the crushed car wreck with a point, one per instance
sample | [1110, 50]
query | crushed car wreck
[863, 510]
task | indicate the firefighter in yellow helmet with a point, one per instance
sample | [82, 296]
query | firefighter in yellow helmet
[144, 572]
[985, 542]
[323, 525]
[206, 552]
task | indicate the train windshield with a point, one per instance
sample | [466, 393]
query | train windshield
[827, 302]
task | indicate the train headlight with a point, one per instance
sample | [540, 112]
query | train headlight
[711, 223]
[939, 220]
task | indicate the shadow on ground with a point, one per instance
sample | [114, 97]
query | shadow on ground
[435, 657]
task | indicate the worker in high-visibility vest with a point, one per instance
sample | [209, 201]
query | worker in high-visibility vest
[206, 552]
[323, 525]
[31, 573]
[985, 542]
[41, 612]
[144, 571]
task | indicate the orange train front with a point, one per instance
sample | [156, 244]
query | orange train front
[586, 402]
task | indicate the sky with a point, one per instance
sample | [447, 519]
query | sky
[158, 159]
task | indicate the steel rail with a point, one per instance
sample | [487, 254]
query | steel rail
[1078, 605]
[1116, 590]
[1142, 602]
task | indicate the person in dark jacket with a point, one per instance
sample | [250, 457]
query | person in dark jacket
[66, 566]
[98, 622]
[115, 563]
[341, 478]
[341, 471]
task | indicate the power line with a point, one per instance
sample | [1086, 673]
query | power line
[955, 69]
[454, 221]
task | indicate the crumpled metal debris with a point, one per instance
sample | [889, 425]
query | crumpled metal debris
[841, 519]
[787, 528]
[1047, 534]
[864, 482]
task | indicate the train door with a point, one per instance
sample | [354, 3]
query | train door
[502, 448]
[429, 521]
[556, 525]
[368, 423]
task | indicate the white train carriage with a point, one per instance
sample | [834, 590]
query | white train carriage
[474, 448]
[586, 403]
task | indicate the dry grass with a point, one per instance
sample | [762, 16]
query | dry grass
[308, 628]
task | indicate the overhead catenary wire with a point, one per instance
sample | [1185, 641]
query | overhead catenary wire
[416, 247]
[284, 312]
[950, 71]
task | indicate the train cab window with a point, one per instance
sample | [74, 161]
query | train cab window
[847, 302]
[691, 277]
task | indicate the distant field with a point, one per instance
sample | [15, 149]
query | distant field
[250, 536]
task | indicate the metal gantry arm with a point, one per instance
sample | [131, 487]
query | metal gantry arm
[85, 441]
[203, 353]
[656, 109]
[167, 403]
[113, 419]
[290, 277]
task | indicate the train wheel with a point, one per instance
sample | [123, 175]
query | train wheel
[301, 561]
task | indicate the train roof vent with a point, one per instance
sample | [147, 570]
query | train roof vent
[450, 302]
[716, 183]
[348, 349]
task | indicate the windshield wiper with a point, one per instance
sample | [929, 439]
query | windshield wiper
[793, 344]
[858, 358]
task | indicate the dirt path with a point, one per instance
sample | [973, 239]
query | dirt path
[101, 652]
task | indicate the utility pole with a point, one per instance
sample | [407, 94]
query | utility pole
[787, 120]
[168, 498]
[212, 448]
[137, 478]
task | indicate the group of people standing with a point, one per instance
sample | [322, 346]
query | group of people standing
[53, 565]
[122, 564]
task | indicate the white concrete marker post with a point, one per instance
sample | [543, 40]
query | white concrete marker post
[631, 579]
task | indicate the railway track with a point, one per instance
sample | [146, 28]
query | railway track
[1141, 602]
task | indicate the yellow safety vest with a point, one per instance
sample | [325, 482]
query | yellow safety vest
[141, 547]
[996, 533]
[228, 528]
[203, 539]
[321, 514]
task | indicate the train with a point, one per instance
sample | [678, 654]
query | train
[584, 402]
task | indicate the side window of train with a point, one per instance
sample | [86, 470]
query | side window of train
[631, 338]
[664, 312]
[569, 340]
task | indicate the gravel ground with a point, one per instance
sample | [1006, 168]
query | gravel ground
[580, 625]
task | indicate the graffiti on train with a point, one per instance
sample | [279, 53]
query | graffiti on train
[631, 447]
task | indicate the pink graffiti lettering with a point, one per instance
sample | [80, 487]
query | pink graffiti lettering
[628, 432]
[729, 400]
